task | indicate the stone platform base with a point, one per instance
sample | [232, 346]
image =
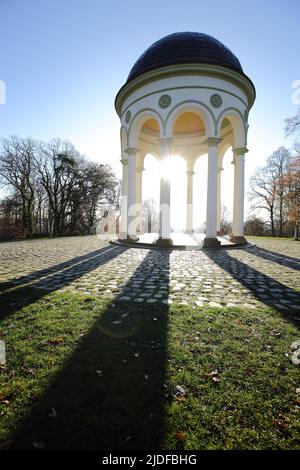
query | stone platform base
[238, 240]
[164, 242]
[180, 241]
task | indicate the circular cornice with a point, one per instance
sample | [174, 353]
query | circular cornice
[236, 78]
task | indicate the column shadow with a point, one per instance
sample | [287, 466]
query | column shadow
[283, 260]
[122, 405]
[92, 257]
[266, 289]
[37, 284]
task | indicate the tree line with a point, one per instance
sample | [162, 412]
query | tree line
[275, 188]
[51, 189]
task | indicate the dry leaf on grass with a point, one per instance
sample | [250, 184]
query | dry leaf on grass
[180, 436]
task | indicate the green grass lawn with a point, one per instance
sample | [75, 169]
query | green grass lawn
[85, 373]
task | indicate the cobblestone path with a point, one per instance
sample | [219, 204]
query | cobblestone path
[268, 273]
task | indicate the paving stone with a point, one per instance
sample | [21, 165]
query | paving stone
[240, 277]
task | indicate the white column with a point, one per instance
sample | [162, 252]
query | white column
[219, 200]
[164, 209]
[131, 200]
[189, 201]
[139, 175]
[123, 225]
[211, 204]
[238, 195]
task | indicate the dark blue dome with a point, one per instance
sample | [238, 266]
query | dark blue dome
[183, 48]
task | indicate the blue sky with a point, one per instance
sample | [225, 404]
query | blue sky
[63, 62]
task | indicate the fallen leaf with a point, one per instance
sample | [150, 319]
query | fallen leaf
[39, 445]
[282, 422]
[180, 398]
[215, 379]
[180, 390]
[180, 436]
[53, 342]
[6, 399]
[52, 414]
[275, 333]
[214, 376]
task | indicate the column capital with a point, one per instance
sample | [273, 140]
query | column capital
[190, 173]
[213, 141]
[220, 169]
[124, 161]
[139, 169]
[240, 151]
[131, 150]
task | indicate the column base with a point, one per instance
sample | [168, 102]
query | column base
[164, 242]
[122, 237]
[189, 232]
[218, 233]
[236, 239]
[132, 238]
[211, 243]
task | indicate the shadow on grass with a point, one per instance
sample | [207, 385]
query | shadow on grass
[109, 392]
[51, 279]
[283, 260]
[266, 289]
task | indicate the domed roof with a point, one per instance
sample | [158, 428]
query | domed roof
[183, 48]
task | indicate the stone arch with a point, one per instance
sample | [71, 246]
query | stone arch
[193, 106]
[137, 123]
[238, 125]
[223, 149]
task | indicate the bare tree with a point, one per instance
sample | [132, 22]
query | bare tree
[291, 180]
[60, 191]
[254, 226]
[150, 216]
[267, 188]
[225, 223]
[56, 165]
[263, 193]
[292, 125]
[277, 165]
[17, 172]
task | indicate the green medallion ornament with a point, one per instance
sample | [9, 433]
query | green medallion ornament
[216, 100]
[164, 101]
[127, 116]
